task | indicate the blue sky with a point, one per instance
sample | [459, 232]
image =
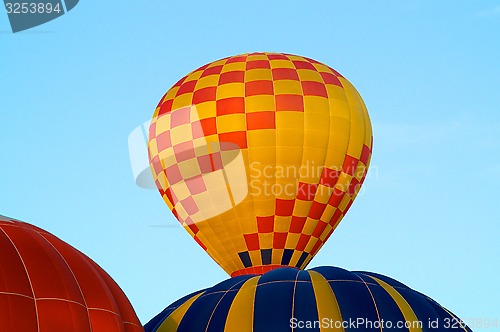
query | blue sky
[72, 90]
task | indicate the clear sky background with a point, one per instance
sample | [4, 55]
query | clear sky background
[73, 89]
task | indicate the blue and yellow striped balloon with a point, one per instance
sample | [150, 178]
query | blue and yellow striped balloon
[317, 300]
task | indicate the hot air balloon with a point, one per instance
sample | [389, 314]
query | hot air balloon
[317, 300]
[259, 156]
[46, 286]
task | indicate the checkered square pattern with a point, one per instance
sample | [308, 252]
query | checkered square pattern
[303, 137]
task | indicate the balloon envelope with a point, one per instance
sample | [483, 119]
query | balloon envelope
[46, 286]
[259, 156]
[316, 300]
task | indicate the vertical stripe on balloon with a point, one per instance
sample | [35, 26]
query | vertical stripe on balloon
[386, 305]
[172, 322]
[326, 303]
[240, 316]
[274, 296]
[405, 308]
[346, 286]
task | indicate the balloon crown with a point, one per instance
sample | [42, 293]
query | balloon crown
[259, 156]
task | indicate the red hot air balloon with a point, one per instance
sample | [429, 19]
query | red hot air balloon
[46, 285]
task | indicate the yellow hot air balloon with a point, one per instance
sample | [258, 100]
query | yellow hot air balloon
[259, 156]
